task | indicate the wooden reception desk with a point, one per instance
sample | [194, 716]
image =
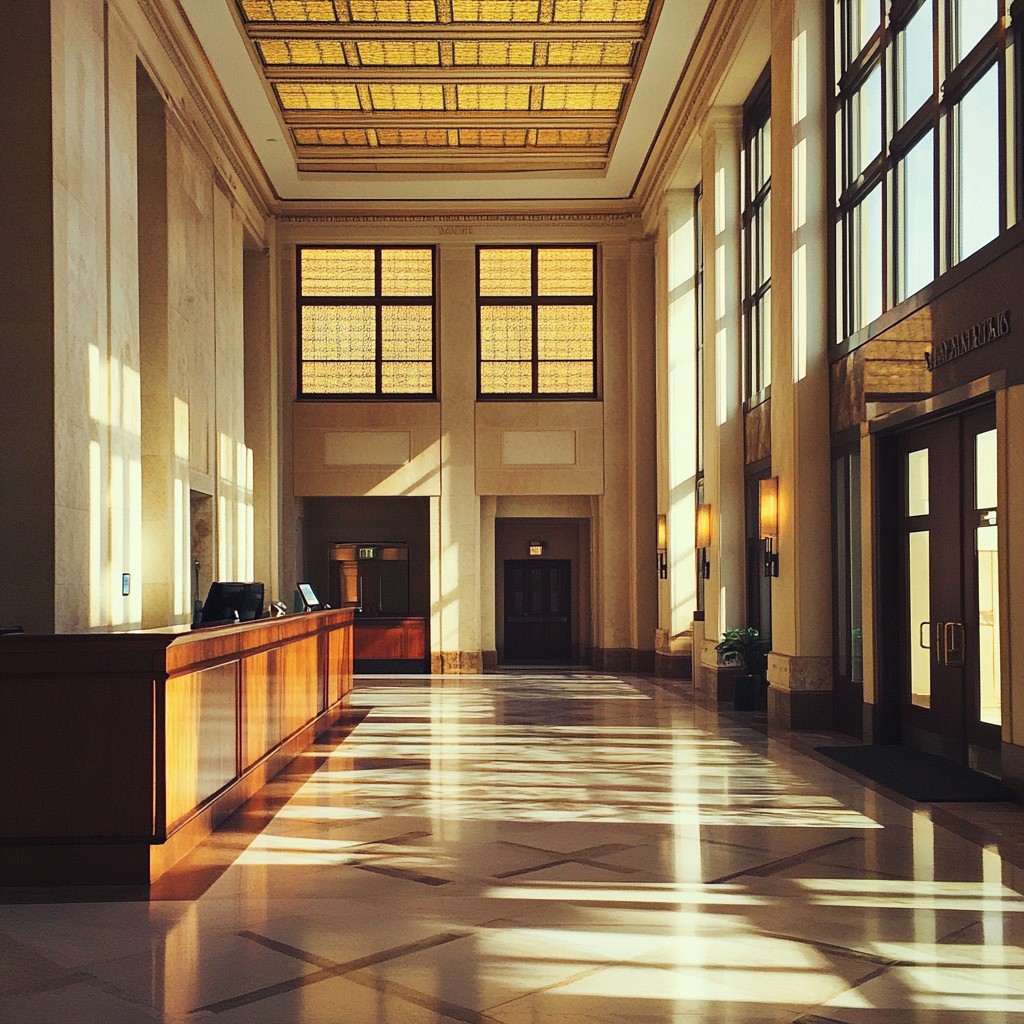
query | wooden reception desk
[119, 752]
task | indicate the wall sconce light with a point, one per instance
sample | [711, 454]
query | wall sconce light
[537, 547]
[768, 516]
[663, 547]
[703, 541]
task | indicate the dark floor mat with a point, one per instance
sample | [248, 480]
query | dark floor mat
[921, 777]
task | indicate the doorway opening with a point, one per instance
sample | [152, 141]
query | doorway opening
[946, 691]
[538, 611]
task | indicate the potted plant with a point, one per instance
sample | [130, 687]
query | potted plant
[745, 648]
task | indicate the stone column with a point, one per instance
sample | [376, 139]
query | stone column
[800, 666]
[725, 604]
[456, 561]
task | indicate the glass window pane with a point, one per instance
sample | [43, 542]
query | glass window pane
[988, 624]
[565, 332]
[972, 18]
[764, 322]
[917, 483]
[565, 378]
[865, 128]
[565, 272]
[341, 272]
[915, 62]
[765, 238]
[977, 178]
[506, 332]
[865, 268]
[406, 378]
[506, 378]
[916, 240]
[339, 378]
[339, 332]
[505, 272]
[985, 470]
[406, 272]
[919, 626]
[868, 15]
[407, 332]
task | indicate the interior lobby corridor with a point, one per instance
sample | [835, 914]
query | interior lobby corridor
[525, 848]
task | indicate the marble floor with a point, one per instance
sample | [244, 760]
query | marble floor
[543, 849]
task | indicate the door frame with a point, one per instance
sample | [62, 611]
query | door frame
[888, 601]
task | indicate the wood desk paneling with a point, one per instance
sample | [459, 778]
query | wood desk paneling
[120, 751]
[390, 639]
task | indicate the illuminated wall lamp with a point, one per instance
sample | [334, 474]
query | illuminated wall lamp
[703, 541]
[663, 547]
[768, 518]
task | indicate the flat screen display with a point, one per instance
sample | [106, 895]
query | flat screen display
[309, 598]
[225, 599]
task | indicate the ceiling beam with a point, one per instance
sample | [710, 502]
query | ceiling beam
[433, 73]
[518, 32]
[447, 154]
[420, 119]
[446, 167]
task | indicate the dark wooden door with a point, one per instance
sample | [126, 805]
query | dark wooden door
[950, 703]
[538, 611]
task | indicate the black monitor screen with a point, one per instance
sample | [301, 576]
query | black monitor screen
[225, 599]
[309, 598]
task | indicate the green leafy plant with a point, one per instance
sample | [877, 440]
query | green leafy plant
[746, 647]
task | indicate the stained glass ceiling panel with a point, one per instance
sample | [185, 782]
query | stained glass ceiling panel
[426, 11]
[302, 51]
[399, 53]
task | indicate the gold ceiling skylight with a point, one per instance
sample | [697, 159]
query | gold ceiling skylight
[399, 53]
[513, 84]
[427, 11]
[302, 51]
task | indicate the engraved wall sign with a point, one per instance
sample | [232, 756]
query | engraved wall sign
[973, 337]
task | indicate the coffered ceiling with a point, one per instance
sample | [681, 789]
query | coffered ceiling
[416, 99]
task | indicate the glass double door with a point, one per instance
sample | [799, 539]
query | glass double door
[948, 550]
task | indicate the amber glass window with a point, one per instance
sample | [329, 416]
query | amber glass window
[366, 322]
[537, 320]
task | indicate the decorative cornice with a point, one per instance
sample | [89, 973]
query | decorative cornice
[721, 36]
[426, 218]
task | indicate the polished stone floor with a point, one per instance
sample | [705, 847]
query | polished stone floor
[543, 849]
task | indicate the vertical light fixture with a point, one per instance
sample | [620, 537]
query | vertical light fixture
[768, 517]
[703, 541]
[663, 547]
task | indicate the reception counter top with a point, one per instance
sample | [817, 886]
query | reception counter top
[119, 752]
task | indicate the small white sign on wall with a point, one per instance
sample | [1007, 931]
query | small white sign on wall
[538, 447]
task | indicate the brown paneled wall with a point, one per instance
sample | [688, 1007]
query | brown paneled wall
[757, 429]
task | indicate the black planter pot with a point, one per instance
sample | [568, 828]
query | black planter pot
[749, 693]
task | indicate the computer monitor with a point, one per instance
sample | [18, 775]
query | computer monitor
[224, 599]
[310, 602]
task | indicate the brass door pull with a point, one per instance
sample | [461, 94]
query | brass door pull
[953, 643]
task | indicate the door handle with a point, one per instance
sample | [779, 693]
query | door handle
[953, 642]
[937, 646]
[921, 636]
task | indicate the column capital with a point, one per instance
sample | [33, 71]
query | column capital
[722, 120]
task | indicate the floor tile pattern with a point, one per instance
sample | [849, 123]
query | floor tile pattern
[554, 848]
